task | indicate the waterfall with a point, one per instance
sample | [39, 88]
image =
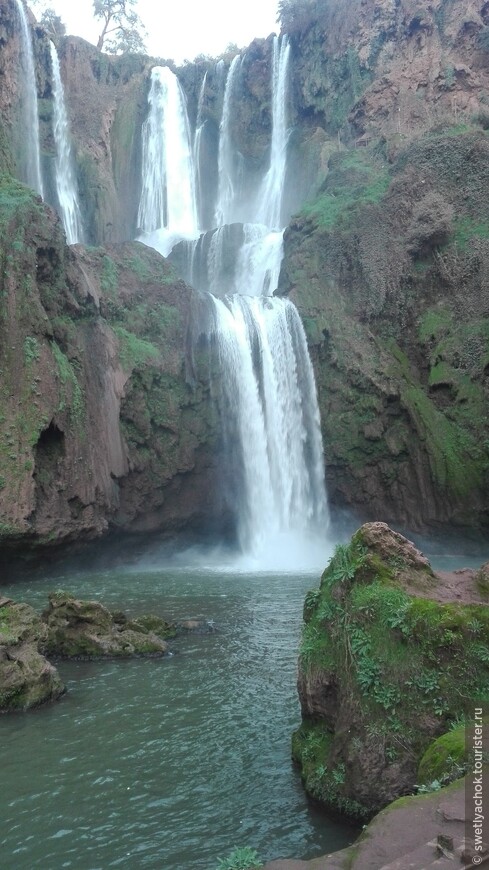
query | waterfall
[269, 408]
[269, 205]
[259, 261]
[66, 185]
[30, 164]
[228, 159]
[167, 208]
[265, 392]
[197, 150]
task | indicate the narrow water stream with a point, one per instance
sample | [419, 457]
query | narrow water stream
[167, 763]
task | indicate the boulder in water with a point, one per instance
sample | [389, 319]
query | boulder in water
[27, 679]
[87, 630]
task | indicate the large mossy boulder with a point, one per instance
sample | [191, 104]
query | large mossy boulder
[87, 630]
[27, 679]
[386, 666]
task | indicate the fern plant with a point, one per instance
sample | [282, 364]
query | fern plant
[241, 858]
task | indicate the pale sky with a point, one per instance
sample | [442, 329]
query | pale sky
[182, 29]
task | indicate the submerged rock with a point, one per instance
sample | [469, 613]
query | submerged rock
[87, 630]
[27, 679]
[387, 664]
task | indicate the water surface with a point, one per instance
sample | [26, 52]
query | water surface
[167, 763]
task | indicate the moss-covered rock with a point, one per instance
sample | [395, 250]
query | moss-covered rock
[448, 758]
[27, 679]
[384, 668]
[87, 630]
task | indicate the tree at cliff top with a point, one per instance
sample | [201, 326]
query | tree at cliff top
[50, 20]
[123, 30]
[53, 24]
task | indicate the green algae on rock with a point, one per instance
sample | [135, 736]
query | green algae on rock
[384, 668]
[27, 679]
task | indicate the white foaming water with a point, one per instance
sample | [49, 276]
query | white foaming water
[215, 260]
[227, 173]
[31, 163]
[167, 209]
[269, 204]
[259, 261]
[269, 407]
[66, 185]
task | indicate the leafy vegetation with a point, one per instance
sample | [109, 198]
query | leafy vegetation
[122, 28]
[71, 392]
[241, 858]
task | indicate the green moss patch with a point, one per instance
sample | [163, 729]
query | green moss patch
[355, 179]
[446, 760]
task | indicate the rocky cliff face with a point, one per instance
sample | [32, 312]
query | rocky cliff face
[390, 67]
[388, 262]
[98, 428]
[388, 266]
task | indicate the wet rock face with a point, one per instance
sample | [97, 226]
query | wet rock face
[27, 679]
[98, 426]
[387, 663]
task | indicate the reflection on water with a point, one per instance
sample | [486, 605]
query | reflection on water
[167, 763]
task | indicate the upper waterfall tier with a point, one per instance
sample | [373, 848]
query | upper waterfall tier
[269, 203]
[168, 207]
[30, 158]
[66, 185]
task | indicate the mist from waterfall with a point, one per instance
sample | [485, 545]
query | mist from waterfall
[66, 185]
[30, 163]
[168, 207]
[266, 392]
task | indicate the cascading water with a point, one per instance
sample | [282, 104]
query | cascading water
[168, 208]
[30, 163]
[269, 204]
[269, 407]
[259, 261]
[266, 391]
[197, 148]
[66, 185]
[228, 158]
